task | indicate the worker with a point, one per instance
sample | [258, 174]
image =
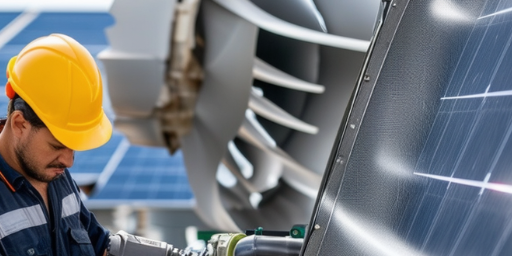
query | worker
[55, 108]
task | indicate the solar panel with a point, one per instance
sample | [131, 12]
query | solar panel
[428, 170]
[147, 173]
[5, 18]
[469, 147]
[5, 54]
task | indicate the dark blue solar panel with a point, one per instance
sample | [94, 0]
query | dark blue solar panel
[470, 140]
[93, 161]
[6, 17]
[5, 55]
[147, 173]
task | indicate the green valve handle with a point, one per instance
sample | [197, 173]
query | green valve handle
[298, 231]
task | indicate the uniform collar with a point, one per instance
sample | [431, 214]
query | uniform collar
[13, 179]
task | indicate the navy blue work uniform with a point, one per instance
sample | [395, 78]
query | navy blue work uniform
[27, 228]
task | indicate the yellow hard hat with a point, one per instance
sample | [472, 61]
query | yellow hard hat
[59, 79]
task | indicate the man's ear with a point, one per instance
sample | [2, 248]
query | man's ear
[19, 125]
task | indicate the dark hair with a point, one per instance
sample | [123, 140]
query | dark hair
[17, 103]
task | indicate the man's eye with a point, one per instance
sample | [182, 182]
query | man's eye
[57, 147]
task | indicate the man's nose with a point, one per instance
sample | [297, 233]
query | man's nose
[67, 157]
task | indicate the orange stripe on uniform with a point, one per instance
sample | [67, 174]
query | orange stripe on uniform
[7, 182]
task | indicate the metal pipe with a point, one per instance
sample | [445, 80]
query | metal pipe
[257, 245]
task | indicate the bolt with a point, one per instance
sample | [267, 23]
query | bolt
[394, 4]
[353, 126]
[317, 226]
[366, 78]
[295, 232]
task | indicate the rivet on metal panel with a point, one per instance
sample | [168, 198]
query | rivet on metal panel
[353, 126]
[317, 226]
[366, 78]
[394, 4]
[339, 160]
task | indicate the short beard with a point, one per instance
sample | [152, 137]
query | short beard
[28, 167]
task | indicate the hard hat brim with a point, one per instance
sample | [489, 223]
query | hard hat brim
[84, 140]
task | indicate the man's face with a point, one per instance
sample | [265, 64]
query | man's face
[41, 156]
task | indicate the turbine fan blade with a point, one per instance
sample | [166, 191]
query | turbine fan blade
[263, 20]
[254, 196]
[298, 176]
[267, 109]
[267, 73]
